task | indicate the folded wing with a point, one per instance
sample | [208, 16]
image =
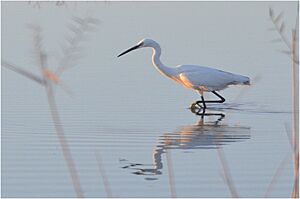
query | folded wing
[211, 79]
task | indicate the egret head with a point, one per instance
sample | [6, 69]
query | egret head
[141, 44]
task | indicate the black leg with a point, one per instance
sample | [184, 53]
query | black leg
[203, 101]
[222, 100]
[198, 104]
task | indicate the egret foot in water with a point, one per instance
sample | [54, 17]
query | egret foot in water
[195, 108]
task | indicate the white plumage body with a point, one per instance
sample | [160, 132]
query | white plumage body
[206, 78]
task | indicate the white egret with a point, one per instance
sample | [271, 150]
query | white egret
[200, 78]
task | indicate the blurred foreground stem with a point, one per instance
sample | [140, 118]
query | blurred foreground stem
[62, 140]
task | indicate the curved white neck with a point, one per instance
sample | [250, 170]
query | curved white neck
[169, 72]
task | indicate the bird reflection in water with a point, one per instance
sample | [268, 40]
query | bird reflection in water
[209, 135]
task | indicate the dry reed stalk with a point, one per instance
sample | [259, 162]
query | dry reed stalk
[63, 142]
[103, 175]
[280, 28]
[23, 72]
[293, 51]
[295, 92]
[226, 172]
[278, 172]
[49, 78]
[79, 28]
[42, 62]
[287, 130]
[170, 173]
[37, 4]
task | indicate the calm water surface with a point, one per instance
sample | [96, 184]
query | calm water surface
[135, 121]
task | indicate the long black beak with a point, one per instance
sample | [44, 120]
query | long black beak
[130, 49]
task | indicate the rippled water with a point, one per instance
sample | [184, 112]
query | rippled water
[129, 130]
